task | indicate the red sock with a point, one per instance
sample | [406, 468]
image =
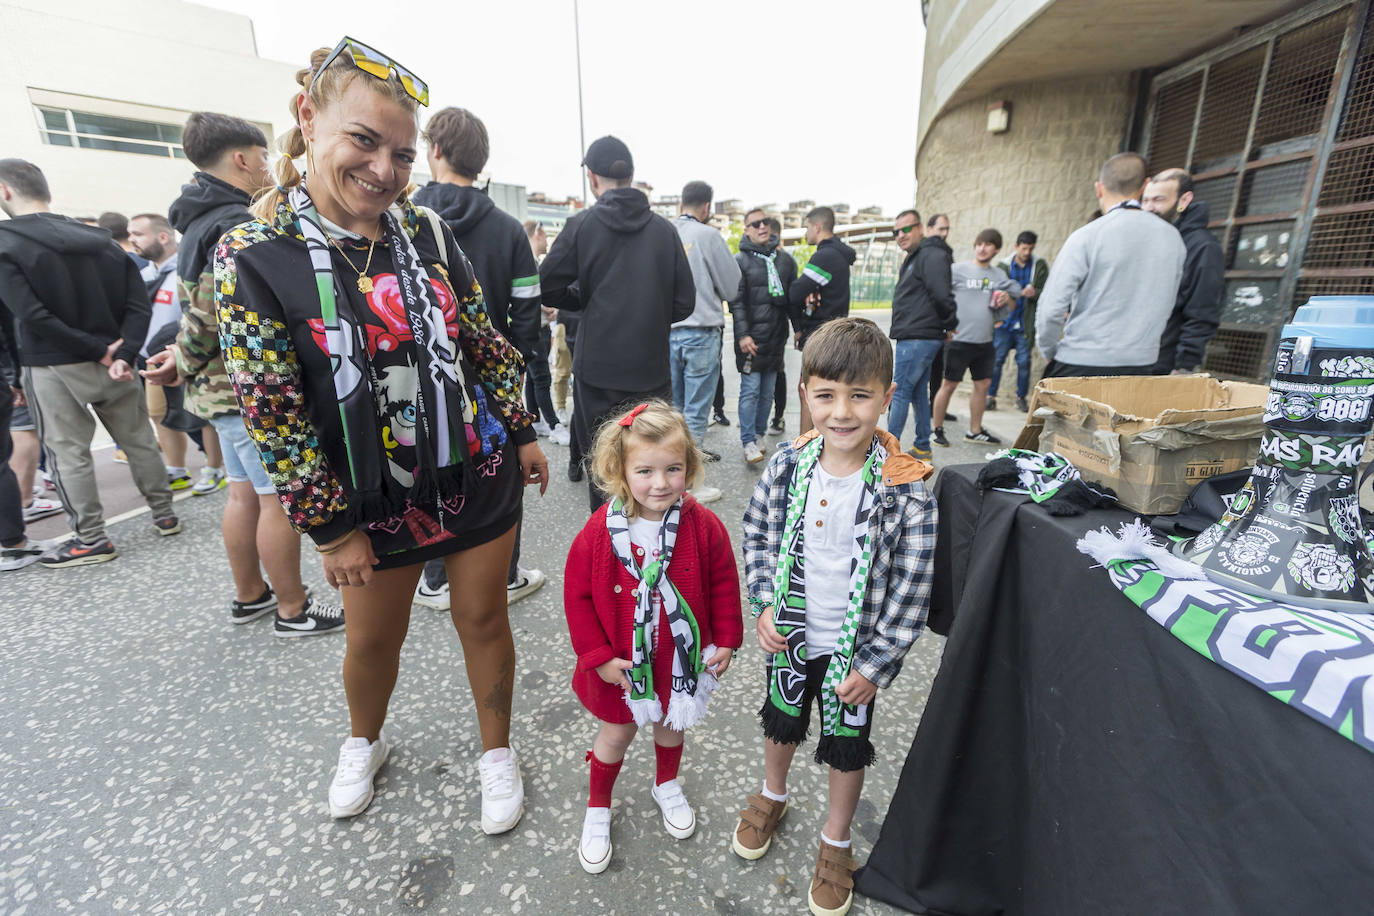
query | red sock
[668, 759]
[603, 780]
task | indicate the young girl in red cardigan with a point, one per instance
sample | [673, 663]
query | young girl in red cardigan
[653, 603]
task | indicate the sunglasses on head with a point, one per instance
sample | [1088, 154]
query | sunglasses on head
[758, 224]
[375, 63]
[902, 230]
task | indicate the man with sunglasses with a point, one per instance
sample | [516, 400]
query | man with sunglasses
[759, 312]
[923, 317]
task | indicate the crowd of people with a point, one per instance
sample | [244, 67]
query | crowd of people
[372, 367]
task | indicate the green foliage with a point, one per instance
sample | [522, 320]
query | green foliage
[801, 253]
[733, 235]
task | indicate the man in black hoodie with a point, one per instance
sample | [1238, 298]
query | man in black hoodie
[760, 314]
[623, 268]
[1197, 312]
[82, 312]
[503, 262]
[821, 292]
[923, 316]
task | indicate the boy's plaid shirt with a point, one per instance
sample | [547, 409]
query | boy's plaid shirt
[902, 534]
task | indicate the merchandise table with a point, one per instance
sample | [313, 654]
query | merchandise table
[1076, 757]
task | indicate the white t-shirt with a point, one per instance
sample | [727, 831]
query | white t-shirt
[644, 540]
[831, 504]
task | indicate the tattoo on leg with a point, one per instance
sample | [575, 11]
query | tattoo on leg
[498, 698]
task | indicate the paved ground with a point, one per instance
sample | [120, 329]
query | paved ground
[158, 758]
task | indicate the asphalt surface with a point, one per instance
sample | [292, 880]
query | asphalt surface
[159, 758]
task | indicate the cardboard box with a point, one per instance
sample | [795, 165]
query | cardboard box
[1150, 438]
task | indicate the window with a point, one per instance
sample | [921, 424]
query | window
[65, 127]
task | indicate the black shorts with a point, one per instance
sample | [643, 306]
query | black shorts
[842, 753]
[977, 358]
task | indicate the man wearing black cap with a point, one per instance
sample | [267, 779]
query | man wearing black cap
[623, 268]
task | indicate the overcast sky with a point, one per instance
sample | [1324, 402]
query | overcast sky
[769, 102]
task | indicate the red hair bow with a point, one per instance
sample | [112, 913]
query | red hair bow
[629, 418]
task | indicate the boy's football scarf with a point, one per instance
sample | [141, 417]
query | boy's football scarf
[782, 714]
[692, 683]
[770, 260]
[440, 399]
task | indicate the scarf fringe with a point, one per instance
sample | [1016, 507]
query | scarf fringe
[780, 727]
[645, 710]
[1135, 541]
[845, 754]
[684, 710]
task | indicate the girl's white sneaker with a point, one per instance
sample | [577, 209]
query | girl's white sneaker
[594, 852]
[359, 761]
[678, 817]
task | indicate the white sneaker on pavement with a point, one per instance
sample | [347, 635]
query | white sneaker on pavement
[560, 435]
[752, 453]
[26, 554]
[41, 508]
[678, 817]
[594, 852]
[436, 598]
[527, 582]
[359, 761]
[541, 428]
[211, 481]
[503, 791]
[705, 494]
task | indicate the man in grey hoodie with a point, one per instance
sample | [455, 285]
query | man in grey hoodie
[1114, 283]
[695, 342]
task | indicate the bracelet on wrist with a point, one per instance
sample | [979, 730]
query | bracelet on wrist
[337, 545]
[757, 606]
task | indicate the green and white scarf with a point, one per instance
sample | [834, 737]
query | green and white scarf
[782, 719]
[692, 683]
[770, 260]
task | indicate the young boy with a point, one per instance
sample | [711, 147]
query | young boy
[839, 542]
[982, 294]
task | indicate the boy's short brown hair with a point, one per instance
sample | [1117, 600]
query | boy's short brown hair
[848, 350]
[461, 138]
[991, 236]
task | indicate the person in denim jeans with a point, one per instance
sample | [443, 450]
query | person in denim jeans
[1017, 332]
[923, 315]
[695, 342]
[759, 310]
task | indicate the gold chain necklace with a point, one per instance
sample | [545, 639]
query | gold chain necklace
[364, 281]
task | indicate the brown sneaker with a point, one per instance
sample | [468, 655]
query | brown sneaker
[832, 887]
[754, 834]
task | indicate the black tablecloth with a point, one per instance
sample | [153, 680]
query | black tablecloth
[1075, 757]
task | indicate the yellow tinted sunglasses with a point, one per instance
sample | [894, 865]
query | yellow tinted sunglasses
[374, 62]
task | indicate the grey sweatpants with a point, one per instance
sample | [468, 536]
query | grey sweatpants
[58, 396]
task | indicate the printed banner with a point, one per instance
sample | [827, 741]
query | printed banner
[1320, 662]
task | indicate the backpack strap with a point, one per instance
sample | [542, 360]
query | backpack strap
[436, 226]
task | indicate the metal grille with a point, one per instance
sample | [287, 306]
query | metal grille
[1331, 286]
[1262, 246]
[1218, 193]
[1349, 176]
[1226, 110]
[1341, 240]
[1358, 120]
[1175, 110]
[1299, 80]
[1276, 189]
[1239, 352]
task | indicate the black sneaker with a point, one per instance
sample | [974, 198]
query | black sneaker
[78, 553]
[575, 471]
[992, 403]
[709, 455]
[937, 435]
[982, 436]
[777, 425]
[168, 525]
[1022, 406]
[315, 619]
[950, 418]
[719, 419]
[244, 611]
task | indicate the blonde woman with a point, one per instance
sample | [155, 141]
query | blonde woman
[385, 407]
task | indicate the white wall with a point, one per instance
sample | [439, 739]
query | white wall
[164, 53]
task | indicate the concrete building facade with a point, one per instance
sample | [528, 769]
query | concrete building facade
[96, 94]
[1269, 103]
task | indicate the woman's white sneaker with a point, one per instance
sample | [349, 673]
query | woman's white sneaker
[503, 791]
[359, 761]
[678, 817]
[594, 852]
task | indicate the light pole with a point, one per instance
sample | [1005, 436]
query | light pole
[581, 128]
